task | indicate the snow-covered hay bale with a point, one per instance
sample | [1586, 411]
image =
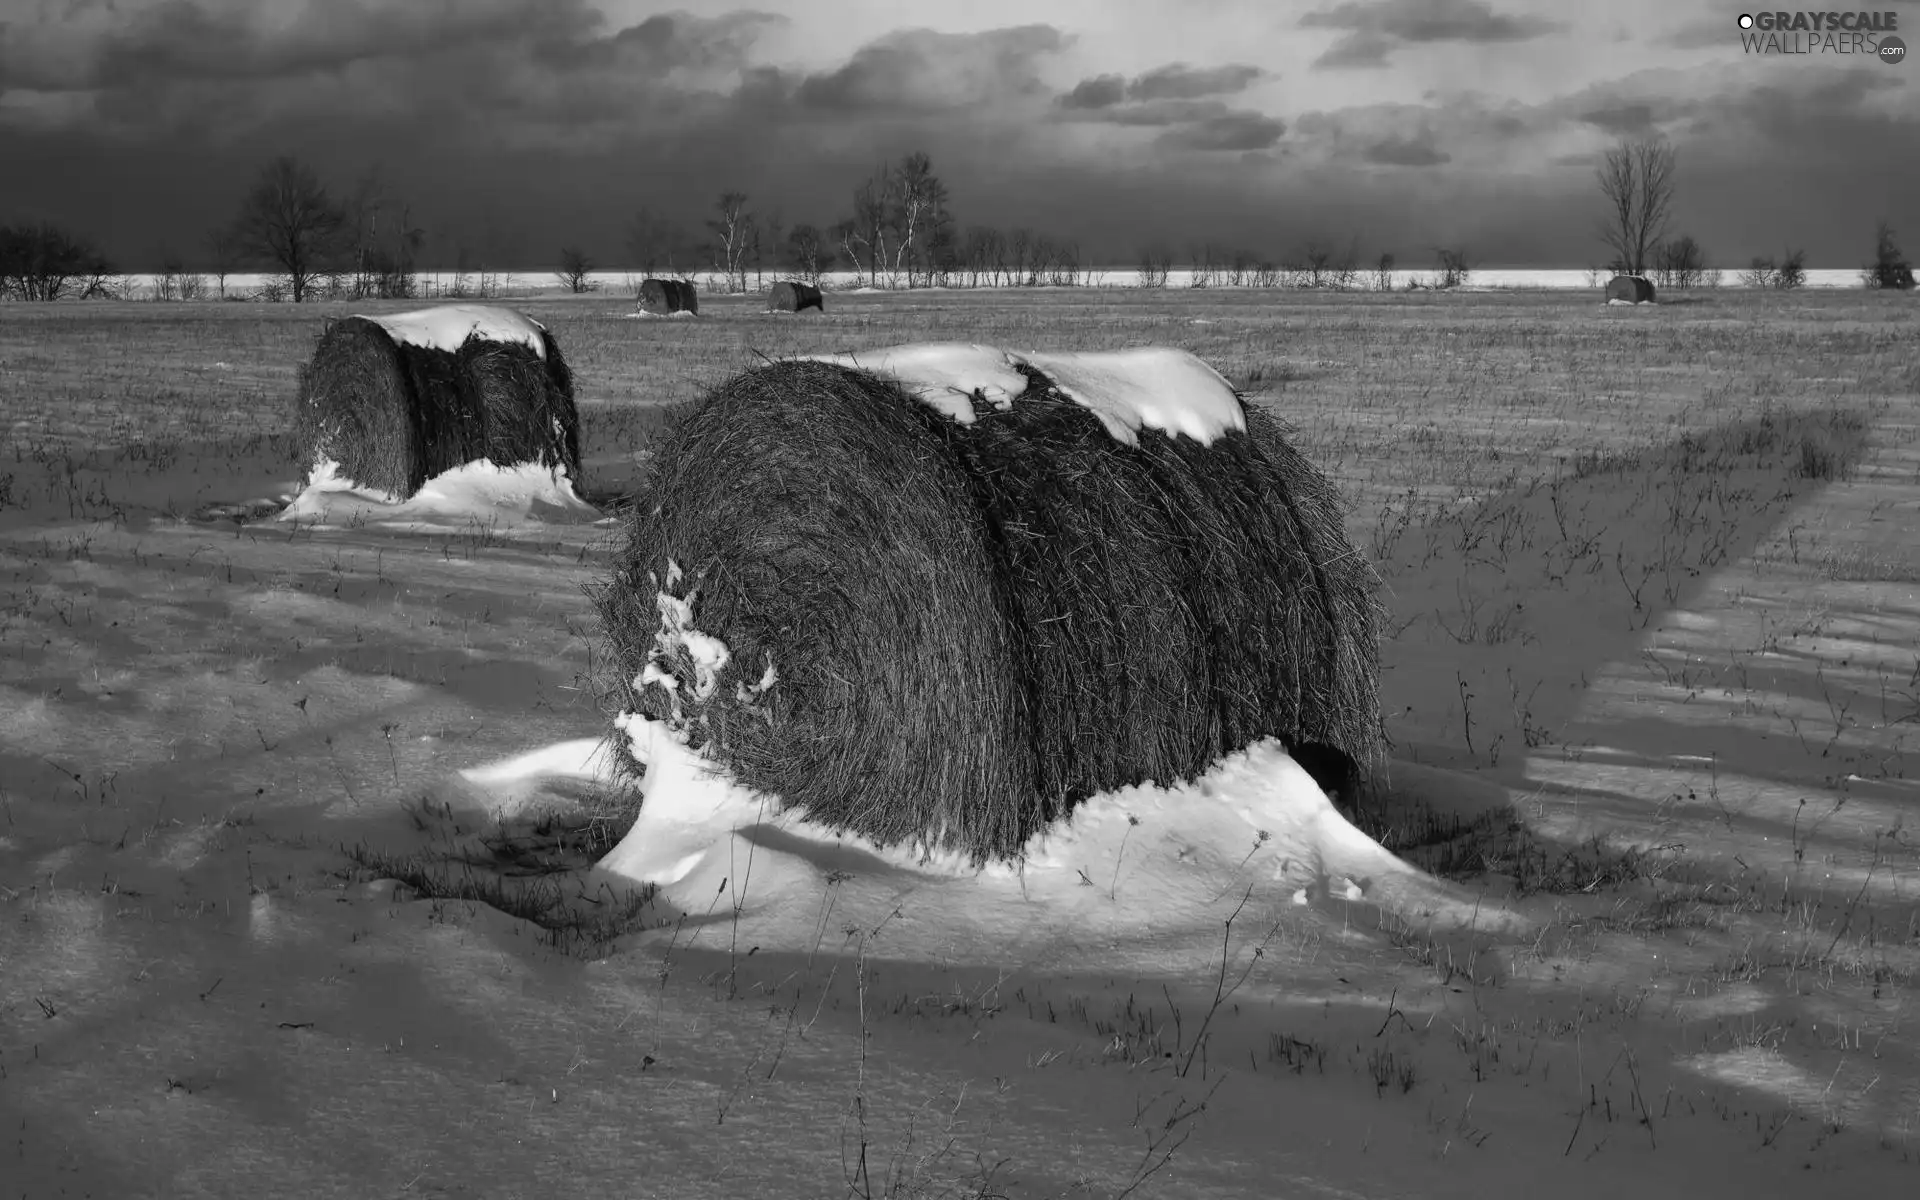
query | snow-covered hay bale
[788, 296]
[393, 401]
[664, 297]
[944, 613]
[811, 519]
[1632, 289]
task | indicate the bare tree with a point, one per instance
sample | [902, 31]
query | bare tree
[769, 238]
[1761, 272]
[1317, 257]
[866, 231]
[1346, 268]
[575, 270]
[381, 240]
[652, 241]
[166, 285]
[733, 231]
[1155, 263]
[916, 208]
[843, 237]
[1453, 267]
[289, 220]
[1637, 179]
[1022, 255]
[804, 245]
[1793, 270]
[1202, 256]
[1785, 274]
[47, 262]
[1679, 263]
[176, 281]
[1890, 268]
[221, 249]
[942, 250]
[1383, 273]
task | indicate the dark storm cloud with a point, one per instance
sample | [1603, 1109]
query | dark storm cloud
[1162, 113]
[922, 71]
[1178, 81]
[664, 42]
[522, 123]
[1179, 98]
[1240, 130]
[1373, 29]
[1407, 152]
[1410, 135]
[1190, 124]
[1174, 81]
[185, 40]
[1101, 91]
[1357, 50]
[1627, 120]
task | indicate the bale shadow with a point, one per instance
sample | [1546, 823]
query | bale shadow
[1505, 611]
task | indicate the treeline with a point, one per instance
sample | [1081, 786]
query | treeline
[898, 230]
[46, 262]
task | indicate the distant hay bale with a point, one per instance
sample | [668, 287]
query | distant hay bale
[665, 297]
[788, 296]
[948, 635]
[1632, 289]
[395, 401]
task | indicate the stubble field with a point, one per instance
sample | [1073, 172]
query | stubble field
[1652, 680]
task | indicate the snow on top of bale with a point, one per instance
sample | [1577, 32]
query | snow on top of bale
[446, 327]
[944, 375]
[1158, 387]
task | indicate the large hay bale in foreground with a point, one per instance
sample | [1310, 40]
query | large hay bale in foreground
[788, 296]
[664, 297]
[952, 633]
[394, 401]
[1633, 289]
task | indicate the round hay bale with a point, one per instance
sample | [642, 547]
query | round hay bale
[789, 296]
[814, 516]
[664, 297]
[1632, 289]
[392, 412]
[951, 634]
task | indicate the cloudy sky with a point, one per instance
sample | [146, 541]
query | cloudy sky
[512, 126]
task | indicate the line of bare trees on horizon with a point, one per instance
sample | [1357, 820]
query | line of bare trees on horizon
[899, 231]
[1638, 179]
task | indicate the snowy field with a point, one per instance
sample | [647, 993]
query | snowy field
[300, 810]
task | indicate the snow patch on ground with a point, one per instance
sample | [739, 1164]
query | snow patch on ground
[1138, 864]
[1158, 387]
[449, 325]
[477, 492]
